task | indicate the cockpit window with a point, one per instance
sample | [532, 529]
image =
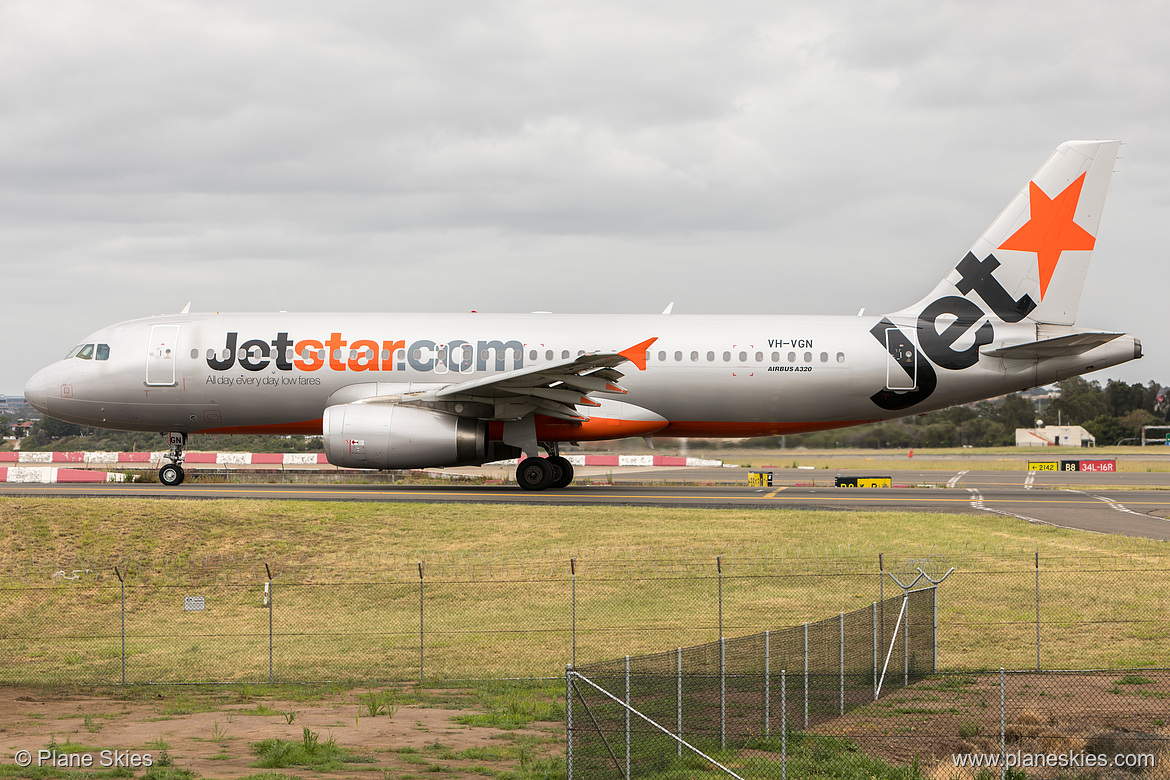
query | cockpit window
[86, 352]
[102, 352]
[73, 352]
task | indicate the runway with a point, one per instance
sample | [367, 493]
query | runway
[1126, 503]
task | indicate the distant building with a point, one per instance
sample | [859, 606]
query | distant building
[1055, 436]
[16, 407]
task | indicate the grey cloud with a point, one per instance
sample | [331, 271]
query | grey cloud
[362, 155]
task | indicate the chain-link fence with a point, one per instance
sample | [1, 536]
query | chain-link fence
[1100, 724]
[735, 691]
[389, 619]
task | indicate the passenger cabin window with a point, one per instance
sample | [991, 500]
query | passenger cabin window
[742, 357]
[759, 357]
[662, 357]
[564, 354]
[840, 357]
[807, 357]
[677, 357]
[694, 357]
[791, 357]
[710, 357]
[775, 357]
[726, 357]
[824, 357]
[548, 355]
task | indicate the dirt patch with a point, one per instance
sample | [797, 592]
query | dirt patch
[1051, 714]
[213, 733]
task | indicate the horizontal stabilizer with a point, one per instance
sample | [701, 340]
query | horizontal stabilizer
[1073, 344]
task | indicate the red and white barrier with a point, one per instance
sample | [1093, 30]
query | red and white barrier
[42, 475]
[38, 460]
[625, 460]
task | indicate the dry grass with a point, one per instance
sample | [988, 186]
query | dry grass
[346, 601]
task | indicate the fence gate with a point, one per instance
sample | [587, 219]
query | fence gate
[637, 716]
[593, 706]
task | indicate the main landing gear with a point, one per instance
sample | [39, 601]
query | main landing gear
[554, 471]
[172, 474]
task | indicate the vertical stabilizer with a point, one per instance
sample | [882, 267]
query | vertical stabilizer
[1031, 262]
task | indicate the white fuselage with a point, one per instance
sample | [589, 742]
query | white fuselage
[718, 376]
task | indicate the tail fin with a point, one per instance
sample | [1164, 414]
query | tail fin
[1031, 262]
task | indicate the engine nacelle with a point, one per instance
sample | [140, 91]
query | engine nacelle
[388, 436]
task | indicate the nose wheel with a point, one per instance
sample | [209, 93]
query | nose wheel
[172, 474]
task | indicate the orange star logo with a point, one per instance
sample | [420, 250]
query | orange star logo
[1051, 229]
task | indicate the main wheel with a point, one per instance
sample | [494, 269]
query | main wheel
[562, 471]
[534, 474]
[171, 475]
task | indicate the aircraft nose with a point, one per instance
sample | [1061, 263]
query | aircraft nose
[36, 391]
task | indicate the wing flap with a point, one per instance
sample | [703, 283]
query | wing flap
[555, 389]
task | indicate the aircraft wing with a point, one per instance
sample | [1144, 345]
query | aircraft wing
[554, 389]
[1073, 344]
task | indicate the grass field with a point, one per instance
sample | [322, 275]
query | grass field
[497, 592]
[497, 603]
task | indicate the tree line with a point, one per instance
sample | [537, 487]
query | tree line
[1114, 413]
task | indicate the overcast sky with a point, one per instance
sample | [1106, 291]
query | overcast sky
[738, 156]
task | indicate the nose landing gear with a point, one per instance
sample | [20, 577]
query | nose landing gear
[172, 474]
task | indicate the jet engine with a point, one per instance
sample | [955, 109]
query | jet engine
[389, 436]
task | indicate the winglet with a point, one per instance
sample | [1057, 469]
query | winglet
[637, 353]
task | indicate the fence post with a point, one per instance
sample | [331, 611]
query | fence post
[722, 693]
[767, 685]
[569, 720]
[421, 632]
[573, 577]
[882, 596]
[783, 725]
[1002, 728]
[679, 651]
[1037, 610]
[934, 669]
[122, 579]
[627, 716]
[842, 650]
[875, 651]
[268, 571]
[806, 675]
[719, 569]
[906, 645]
